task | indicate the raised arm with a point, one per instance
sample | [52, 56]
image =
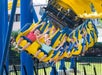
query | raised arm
[44, 33]
[38, 41]
[60, 44]
[38, 25]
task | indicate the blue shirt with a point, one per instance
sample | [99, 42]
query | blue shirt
[46, 48]
[70, 47]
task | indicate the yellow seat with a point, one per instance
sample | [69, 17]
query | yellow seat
[86, 47]
[77, 52]
[65, 54]
[92, 43]
[96, 38]
[92, 29]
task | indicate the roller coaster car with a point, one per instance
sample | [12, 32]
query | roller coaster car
[32, 49]
[64, 19]
[56, 39]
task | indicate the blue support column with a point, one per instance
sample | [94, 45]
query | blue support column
[62, 65]
[6, 38]
[72, 63]
[27, 17]
[5, 28]
[34, 14]
[1, 30]
[54, 71]
[3, 25]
